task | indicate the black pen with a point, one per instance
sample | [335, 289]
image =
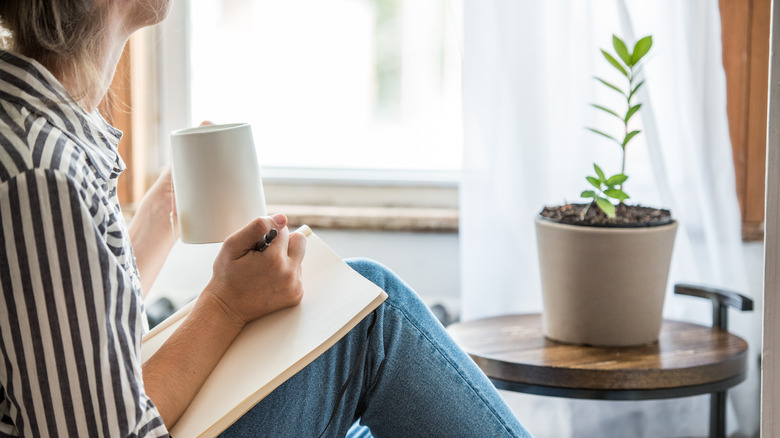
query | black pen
[267, 239]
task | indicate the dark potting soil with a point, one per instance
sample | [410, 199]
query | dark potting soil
[591, 215]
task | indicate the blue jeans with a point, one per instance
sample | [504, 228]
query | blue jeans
[408, 379]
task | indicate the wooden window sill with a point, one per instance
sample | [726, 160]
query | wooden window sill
[441, 220]
[371, 218]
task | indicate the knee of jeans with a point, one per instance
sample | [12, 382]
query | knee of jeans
[370, 269]
[397, 290]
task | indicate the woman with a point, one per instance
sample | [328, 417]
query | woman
[71, 316]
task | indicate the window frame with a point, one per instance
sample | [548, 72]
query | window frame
[295, 186]
[745, 32]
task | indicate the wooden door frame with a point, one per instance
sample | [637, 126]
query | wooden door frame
[770, 375]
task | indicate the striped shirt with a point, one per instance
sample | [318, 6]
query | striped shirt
[71, 315]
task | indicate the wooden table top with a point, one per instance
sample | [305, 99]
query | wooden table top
[513, 349]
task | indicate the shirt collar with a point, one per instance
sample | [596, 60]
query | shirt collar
[25, 82]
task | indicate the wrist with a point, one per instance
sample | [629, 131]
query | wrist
[217, 311]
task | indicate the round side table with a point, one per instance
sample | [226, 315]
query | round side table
[687, 360]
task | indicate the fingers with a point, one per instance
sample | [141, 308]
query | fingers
[166, 173]
[296, 247]
[280, 220]
[294, 243]
[253, 282]
[245, 239]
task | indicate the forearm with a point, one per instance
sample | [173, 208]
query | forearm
[151, 232]
[246, 285]
[178, 369]
[152, 242]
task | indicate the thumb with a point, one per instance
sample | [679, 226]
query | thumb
[238, 243]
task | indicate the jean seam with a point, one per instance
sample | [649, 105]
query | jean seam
[371, 377]
[453, 365]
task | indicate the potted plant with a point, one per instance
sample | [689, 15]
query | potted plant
[605, 264]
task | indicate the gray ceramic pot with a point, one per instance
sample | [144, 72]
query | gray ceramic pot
[603, 286]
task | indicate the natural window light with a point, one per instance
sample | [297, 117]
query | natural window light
[344, 84]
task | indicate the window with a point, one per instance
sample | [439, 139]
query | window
[401, 62]
[345, 85]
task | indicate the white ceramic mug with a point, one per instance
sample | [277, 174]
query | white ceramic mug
[216, 178]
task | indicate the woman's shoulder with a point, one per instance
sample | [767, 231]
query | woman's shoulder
[41, 127]
[34, 144]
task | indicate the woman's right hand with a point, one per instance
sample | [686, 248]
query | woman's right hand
[247, 284]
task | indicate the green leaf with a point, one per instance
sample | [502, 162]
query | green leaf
[614, 63]
[605, 135]
[621, 50]
[614, 87]
[607, 110]
[616, 179]
[606, 207]
[594, 182]
[588, 194]
[630, 95]
[632, 111]
[600, 173]
[616, 194]
[629, 136]
[641, 48]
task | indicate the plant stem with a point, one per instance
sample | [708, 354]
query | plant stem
[585, 212]
[625, 122]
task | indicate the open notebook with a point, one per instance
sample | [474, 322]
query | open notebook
[272, 349]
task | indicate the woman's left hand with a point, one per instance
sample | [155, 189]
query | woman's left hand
[154, 229]
[165, 202]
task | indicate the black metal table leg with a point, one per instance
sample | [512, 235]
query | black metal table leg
[721, 301]
[718, 414]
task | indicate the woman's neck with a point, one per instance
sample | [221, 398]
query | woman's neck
[121, 20]
[89, 90]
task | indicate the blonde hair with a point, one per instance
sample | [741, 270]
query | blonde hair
[62, 35]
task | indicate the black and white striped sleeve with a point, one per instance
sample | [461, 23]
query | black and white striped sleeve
[69, 335]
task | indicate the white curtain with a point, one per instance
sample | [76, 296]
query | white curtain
[528, 82]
